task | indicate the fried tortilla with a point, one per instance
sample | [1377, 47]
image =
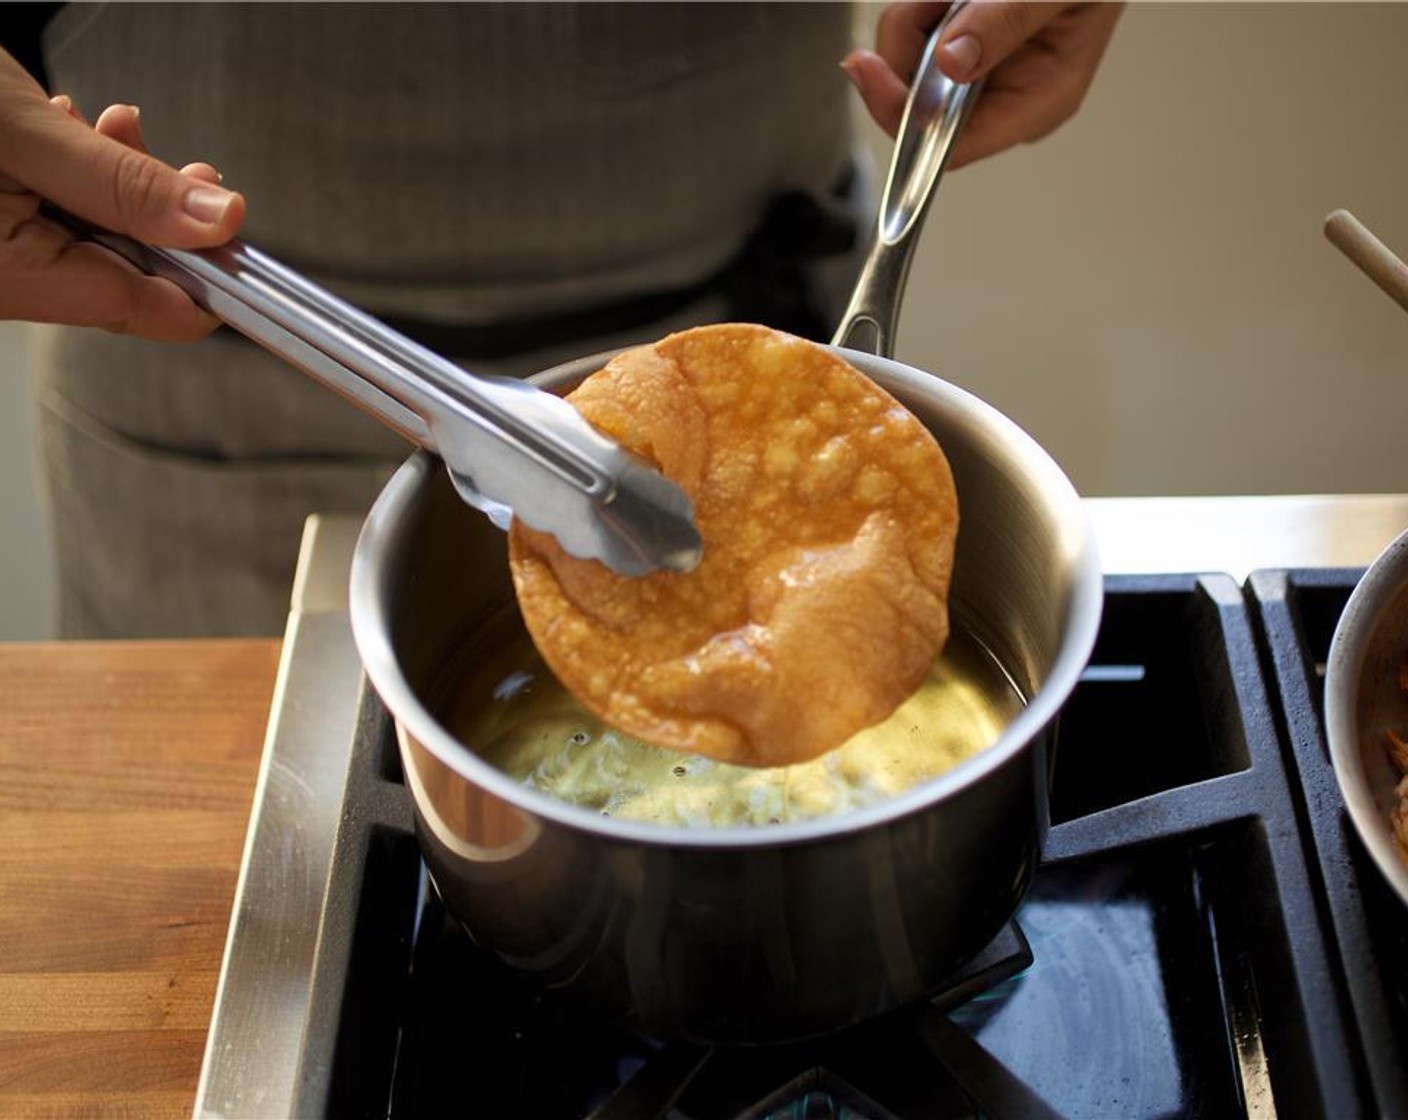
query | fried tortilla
[828, 516]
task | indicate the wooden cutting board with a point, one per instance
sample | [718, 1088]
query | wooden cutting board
[127, 771]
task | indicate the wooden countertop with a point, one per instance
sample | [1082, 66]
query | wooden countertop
[126, 776]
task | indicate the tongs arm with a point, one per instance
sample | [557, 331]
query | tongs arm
[395, 379]
[509, 446]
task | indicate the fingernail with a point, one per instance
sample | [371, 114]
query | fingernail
[963, 54]
[62, 101]
[853, 72]
[207, 204]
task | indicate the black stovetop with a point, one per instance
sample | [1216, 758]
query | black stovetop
[1204, 938]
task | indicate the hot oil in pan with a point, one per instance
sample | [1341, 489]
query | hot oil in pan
[508, 707]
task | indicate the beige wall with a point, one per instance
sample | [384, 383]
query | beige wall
[1148, 291]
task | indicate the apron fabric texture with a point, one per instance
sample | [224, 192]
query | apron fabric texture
[494, 211]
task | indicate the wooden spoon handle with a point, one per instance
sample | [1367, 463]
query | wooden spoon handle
[1372, 256]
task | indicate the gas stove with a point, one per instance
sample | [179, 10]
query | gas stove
[1204, 936]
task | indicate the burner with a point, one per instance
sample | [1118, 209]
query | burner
[542, 1058]
[1189, 951]
[802, 1079]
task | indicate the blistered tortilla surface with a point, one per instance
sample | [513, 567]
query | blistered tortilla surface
[828, 516]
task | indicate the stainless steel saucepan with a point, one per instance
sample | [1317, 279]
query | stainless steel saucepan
[743, 935]
[1365, 699]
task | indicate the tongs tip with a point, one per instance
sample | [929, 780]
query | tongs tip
[683, 560]
[653, 519]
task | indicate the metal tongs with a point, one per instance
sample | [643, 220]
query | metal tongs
[512, 450]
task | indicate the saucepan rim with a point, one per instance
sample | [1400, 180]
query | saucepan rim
[372, 633]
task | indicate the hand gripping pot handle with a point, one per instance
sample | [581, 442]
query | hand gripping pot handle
[934, 114]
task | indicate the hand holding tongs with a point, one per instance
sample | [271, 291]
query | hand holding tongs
[510, 449]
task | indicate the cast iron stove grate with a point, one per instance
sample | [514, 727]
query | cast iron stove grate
[1364, 919]
[1184, 959]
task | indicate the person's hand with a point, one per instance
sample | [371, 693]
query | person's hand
[102, 174]
[1038, 59]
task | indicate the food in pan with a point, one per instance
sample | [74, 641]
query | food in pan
[1398, 815]
[504, 702]
[1398, 754]
[829, 517]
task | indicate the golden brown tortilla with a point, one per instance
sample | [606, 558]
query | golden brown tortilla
[828, 515]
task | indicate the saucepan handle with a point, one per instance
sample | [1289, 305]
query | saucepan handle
[934, 114]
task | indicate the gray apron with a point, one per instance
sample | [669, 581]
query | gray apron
[176, 477]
